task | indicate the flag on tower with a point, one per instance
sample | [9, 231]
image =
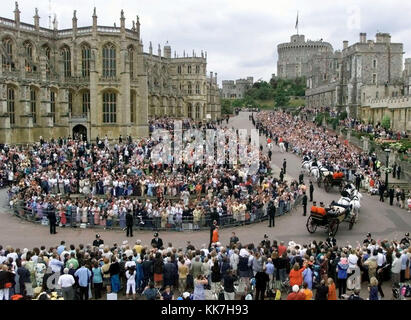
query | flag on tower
[296, 23]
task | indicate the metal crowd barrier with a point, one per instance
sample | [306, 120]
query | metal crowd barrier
[144, 223]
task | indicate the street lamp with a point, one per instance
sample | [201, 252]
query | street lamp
[387, 152]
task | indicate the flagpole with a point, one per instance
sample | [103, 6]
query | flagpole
[297, 23]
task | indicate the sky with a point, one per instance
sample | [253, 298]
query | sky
[240, 36]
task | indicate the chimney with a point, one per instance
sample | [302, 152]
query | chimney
[215, 77]
[363, 37]
[211, 76]
[345, 44]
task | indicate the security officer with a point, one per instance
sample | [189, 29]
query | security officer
[368, 240]
[311, 191]
[156, 241]
[331, 241]
[304, 204]
[271, 213]
[406, 240]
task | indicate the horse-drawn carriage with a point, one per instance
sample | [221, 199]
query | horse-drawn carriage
[333, 179]
[332, 218]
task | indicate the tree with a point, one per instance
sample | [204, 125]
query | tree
[281, 100]
[386, 122]
[226, 107]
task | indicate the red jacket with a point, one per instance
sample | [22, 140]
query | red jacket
[296, 296]
[296, 277]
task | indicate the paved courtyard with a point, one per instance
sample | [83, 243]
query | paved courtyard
[382, 220]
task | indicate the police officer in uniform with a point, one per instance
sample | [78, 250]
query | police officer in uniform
[158, 242]
[368, 240]
[331, 241]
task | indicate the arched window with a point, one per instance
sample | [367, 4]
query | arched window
[85, 61]
[70, 101]
[11, 105]
[197, 88]
[109, 61]
[131, 60]
[47, 53]
[197, 69]
[179, 69]
[53, 105]
[86, 102]
[190, 110]
[132, 107]
[33, 104]
[28, 61]
[189, 69]
[7, 59]
[66, 54]
[109, 107]
[197, 111]
[190, 90]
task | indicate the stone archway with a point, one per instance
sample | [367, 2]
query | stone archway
[80, 132]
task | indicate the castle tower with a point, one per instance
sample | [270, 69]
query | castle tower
[167, 51]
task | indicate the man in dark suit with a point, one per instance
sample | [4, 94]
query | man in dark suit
[301, 178]
[156, 241]
[129, 223]
[282, 175]
[51, 215]
[381, 190]
[311, 191]
[285, 166]
[304, 204]
[391, 194]
[271, 213]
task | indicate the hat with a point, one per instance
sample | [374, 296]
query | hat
[368, 234]
[186, 295]
[249, 297]
[407, 234]
[244, 253]
[180, 298]
[296, 288]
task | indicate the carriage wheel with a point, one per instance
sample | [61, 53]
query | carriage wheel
[311, 226]
[333, 227]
